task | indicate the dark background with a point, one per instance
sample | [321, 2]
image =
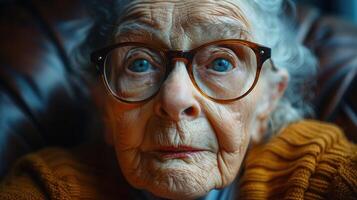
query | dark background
[346, 9]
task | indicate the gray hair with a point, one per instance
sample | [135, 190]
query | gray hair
[268, 17]
[287, 52]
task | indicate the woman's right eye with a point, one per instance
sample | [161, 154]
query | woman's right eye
[140, 66]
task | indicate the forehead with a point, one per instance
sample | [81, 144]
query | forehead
[181, 24]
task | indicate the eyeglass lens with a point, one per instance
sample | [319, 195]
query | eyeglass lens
[221, 72]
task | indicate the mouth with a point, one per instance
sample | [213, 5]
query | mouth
[177, 152]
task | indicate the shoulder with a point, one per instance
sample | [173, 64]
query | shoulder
[33, 176]
[56, 173]
[307, 159]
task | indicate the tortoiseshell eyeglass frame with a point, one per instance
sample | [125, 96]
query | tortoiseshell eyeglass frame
[171, 56]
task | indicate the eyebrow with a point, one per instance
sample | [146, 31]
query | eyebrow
[227, 30]
[135, 31]
[131, 31]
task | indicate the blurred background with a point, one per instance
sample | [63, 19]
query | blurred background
[346, 9]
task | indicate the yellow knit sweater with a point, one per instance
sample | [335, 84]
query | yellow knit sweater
[307, 160]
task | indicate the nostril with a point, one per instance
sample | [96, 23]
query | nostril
[189, 111]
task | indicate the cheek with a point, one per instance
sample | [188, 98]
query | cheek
[247, 108]
[233, 125]
[126, 124]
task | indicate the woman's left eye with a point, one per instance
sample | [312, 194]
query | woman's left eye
[140, 66]
[221, 65]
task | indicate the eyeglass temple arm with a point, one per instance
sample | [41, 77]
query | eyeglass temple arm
[98, 59]
[273, 66]
[265, 52]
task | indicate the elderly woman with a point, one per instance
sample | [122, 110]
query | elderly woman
[194, 107]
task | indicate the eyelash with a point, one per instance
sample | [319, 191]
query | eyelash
[226, 56]
[139, 55]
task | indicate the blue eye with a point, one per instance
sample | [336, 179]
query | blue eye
[221, 65]
[140, 66]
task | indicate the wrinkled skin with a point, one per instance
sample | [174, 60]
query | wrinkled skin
[179, 115]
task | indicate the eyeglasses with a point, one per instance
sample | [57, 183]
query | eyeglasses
[223, 71]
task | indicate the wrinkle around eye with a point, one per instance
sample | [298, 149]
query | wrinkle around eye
[155, 60]
[207, 58]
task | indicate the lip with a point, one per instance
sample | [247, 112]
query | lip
[177, 152]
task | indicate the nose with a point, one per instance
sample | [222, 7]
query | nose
[176, 99]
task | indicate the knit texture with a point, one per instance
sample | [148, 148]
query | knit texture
[87, 172]
[307, 160]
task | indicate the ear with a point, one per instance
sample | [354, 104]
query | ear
[275, 84]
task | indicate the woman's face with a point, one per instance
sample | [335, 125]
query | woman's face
[181, 144]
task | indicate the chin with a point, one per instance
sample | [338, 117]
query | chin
[180, 184]
[177, 178]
